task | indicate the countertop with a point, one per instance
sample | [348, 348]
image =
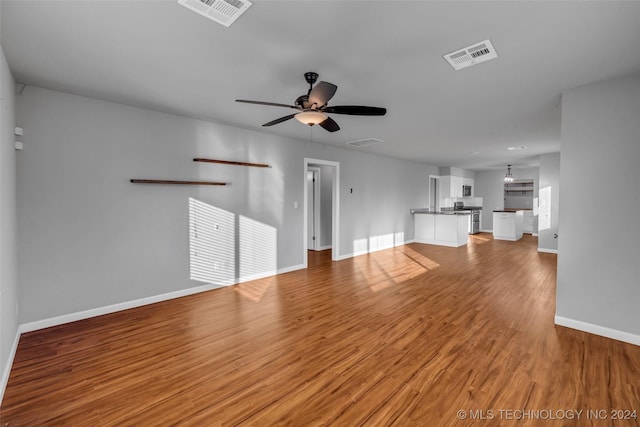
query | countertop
[512, 210]
[465, 208]
[427, 212]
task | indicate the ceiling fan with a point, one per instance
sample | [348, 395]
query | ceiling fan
[312, 107]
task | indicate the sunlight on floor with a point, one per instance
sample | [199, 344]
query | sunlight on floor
[479, 239]
[384, 271]
[255, 289]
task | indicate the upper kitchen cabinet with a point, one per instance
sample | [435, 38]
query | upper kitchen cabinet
[467, 184]
[452, 186]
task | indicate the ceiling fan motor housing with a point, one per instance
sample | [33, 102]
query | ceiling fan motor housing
[303, 101]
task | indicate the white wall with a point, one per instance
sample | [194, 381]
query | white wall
[550, 177]
[598, 261]
[8, 222]
[88, 238]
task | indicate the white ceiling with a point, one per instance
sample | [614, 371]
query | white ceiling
[157, 54]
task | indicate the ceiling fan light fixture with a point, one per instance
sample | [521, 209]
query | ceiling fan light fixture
[508, 177]
[311, 117]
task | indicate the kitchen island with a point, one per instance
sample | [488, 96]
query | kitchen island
[507, 225]
[441, 228]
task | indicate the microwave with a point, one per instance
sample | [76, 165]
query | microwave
[466, 191]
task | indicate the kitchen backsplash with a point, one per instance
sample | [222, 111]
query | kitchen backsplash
[447, 202]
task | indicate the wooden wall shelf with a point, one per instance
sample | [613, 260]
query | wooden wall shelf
[161, 181]
[230, 162]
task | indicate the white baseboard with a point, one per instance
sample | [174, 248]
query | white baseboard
[548, 251]
[324, 248]
[99, 311]
[602, 331]
[292, 268]
[7, 368]
[486, 231]
[378, 249]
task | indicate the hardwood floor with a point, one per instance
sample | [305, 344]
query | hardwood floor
[408, 336]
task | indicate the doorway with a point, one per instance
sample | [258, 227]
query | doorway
[327, 185]
[314, 212]
[434, 184]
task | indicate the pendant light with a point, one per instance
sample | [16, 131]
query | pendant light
[508, 177]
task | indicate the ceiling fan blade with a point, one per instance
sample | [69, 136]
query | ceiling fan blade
[330, 125]
[322, 93]
[273, 104]
[280, 120]
[356, 110]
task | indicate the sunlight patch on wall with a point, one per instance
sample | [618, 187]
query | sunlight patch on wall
[226, 249]
[211, 244]
[377, 243]
[360, 246]
[380, 242]
[257, 249]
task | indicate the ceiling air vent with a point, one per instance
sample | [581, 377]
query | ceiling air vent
[472, 55]
[224, 12]
[362, 142]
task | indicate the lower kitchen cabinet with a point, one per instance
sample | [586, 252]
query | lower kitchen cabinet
[507, 225]
[441, 229]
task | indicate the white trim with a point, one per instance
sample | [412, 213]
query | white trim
[99, 311]
[534, 234]
[602, 331]
[292, 268]
[548, 251]
[324, 248]
[486, 231]
[7, 368]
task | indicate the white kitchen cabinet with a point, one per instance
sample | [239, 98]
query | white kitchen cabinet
[424, 227]
[469, 182]
[507, 225]
[451, 186]
[445, 186]
[440, 229]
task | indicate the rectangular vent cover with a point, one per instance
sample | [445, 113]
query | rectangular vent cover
[362, 142]
[472, 55]
[224, 12]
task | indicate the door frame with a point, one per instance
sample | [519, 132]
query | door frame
[335, 208]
